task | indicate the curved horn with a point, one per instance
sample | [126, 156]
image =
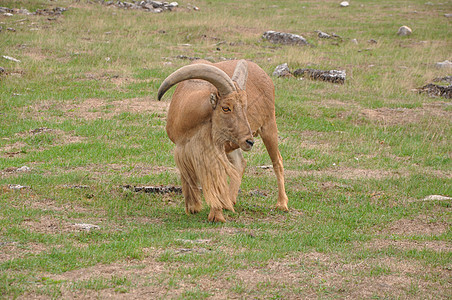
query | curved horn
[212, 74]
[241, 74]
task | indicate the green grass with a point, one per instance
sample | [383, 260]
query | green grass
[359, 157]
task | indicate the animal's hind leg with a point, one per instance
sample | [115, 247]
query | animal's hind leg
[236, 158]
[269, 134]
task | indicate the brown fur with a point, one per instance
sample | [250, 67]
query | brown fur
[208, 141]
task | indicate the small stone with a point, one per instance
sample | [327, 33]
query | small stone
[323, 35]
[437, 197]
[23, 169]
[284, 38]
[355, 41]
[344, 4]
[282, 70]
[10, 58]
[448, 15]
[444, 64]
[404, 31]
[85, 226]
[17, 187]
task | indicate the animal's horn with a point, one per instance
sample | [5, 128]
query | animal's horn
[206, 72]
[241, 74]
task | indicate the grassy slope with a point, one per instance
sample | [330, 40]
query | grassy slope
[359, 157]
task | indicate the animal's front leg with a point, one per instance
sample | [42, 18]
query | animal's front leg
[216, 215]
[237, 160]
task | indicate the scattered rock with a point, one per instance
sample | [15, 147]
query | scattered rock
[87, 227]
[434, 90]
[146, 5]
[344, 4]
[265, 167]
[17, 187]
[324, 35]
[154, 189]
[2, 71]
[444, 64]
[76, 186]
[186, 57]
[372, 41]
[10, 58]
[355, 41]
[284, 38]
[282, 71]
[39, 130]
[437, 197]
[448, 15]
[404, 31]
[447, 79]
[23, 169]
[335, 76]
[43, 12]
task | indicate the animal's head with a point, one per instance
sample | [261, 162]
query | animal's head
[229, 103]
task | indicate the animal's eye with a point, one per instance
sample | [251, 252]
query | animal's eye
[225, 109]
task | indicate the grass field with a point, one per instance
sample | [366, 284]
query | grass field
[80, 111]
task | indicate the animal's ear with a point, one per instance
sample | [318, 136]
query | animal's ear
[213, 100]
[241, 74]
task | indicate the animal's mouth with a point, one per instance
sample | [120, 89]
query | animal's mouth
[247, 145]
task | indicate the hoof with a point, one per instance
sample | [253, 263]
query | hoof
[192, 209]
[282, 207]
[216, 216]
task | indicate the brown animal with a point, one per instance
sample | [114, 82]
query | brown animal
[215, 112]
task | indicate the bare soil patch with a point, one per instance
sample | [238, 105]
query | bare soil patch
[401, 116]
[92, 109]
[338, 172]
[14, 250]
[439, 246]
[125, 170]
[421, 225]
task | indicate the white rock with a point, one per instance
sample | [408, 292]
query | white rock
[355, 41]
[444, 64]
[404, 30]
[23, 169]
[10, 58]
[282, 70]
[437, 197]
[17, 187]
[344, 4]
[86, 227]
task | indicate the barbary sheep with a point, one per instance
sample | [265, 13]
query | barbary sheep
[214, 113]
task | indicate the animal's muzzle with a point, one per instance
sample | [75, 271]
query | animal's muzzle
[250, 143]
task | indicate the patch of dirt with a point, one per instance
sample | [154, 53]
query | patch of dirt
[439, 246]
[125, 170]
[420, 225]
[60, 138]
[14, 250]
[400, 116]
[338, 172]
[50, 225]
[93, 108]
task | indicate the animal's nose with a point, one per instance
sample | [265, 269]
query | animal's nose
[250, 142]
